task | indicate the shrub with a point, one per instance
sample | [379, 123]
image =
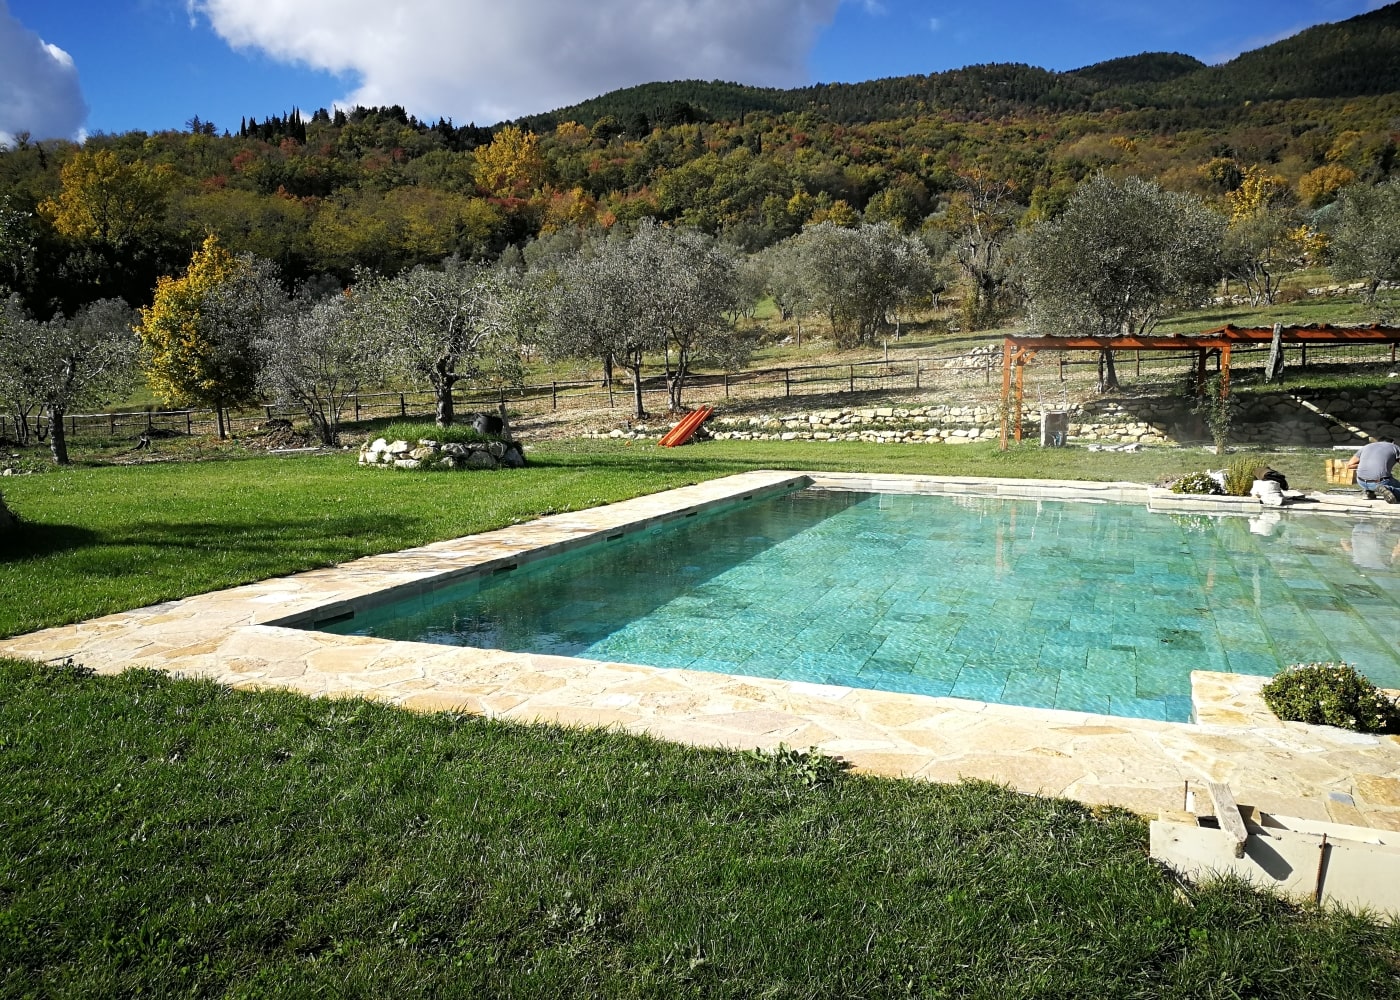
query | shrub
[429, 431]
[1331, 694]
[1196, 482]
[1216, 412]
[1239, 476]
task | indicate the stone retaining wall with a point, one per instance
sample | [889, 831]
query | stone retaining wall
[1304, 417]
[428, 454]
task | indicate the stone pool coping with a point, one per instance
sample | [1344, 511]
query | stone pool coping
[240, 637]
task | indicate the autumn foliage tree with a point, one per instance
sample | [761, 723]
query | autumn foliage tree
[512, 166]
[107, 201]
[199, 336]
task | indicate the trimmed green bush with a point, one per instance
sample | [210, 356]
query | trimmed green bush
[1331, 694]
[429, 431]
[1199, 483]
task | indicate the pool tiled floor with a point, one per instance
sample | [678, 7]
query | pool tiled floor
[947, 731]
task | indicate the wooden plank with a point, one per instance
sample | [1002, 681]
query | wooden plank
[1358, 875]
[1228, 814]
[1212, 339]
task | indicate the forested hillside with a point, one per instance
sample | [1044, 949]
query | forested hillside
[327, 193]
[1352, 58]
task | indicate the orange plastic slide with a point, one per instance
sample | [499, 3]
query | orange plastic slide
[690, 423]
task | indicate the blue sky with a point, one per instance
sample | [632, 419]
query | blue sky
[73, 66]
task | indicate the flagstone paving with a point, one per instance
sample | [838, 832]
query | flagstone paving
[241, 637]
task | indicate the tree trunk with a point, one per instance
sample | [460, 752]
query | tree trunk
[219, 417]
[638, 411]
[442, 379]
[607, 370]
[1108, 373]
[445, 412]
[676, 384]
[58, 443]
[322, 423]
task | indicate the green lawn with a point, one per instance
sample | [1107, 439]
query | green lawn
[102, 539]
[163, 837]
[166, 837]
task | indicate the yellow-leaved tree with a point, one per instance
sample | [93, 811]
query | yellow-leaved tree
[199, 334]
[1260, 248]
[108, 202]
[512, 166]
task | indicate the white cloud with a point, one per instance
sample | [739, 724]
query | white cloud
[39, 90]
[485, 60]
[934, 24]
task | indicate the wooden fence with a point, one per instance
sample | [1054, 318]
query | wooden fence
[958, 375]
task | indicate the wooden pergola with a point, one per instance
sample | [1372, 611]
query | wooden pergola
[1018, 350]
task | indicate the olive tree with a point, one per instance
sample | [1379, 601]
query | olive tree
[596, 308]
[1260, 248]
[64, 363]
[788, 283]
[19, 384]
[1121, 255]
[860, 277]
[442, 325]
[1366, 238]
[690, 289]
[659, 290]
[981, 217]
[316, 357]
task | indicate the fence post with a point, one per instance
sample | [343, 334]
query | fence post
[357, 407]
[787, 381]
[189, 422]
[726, 379]
[554, 395]
[918, 371]
[269, 412]
[610, 394]
[403, 406]
[852, 382]
[112, 424]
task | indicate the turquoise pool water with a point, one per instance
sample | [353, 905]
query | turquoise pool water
[1102, 608]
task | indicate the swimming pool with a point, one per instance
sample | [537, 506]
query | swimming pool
[1094, 607]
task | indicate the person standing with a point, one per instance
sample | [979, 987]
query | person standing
[1373, 465]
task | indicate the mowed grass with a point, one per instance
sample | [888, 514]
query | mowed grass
[166, 837]
[102, 539]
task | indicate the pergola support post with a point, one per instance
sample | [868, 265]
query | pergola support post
[1006, 349]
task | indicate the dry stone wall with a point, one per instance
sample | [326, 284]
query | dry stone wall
[1305, 417]
[428, 454]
